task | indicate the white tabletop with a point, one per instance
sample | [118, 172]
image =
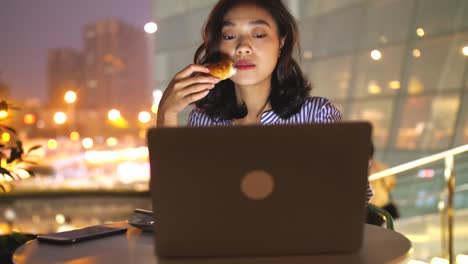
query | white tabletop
[380, 245]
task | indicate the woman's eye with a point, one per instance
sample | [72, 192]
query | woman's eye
[260, 35]
[228, 37]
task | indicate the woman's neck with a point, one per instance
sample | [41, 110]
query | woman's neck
[255, 98]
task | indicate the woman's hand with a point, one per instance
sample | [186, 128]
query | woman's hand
[183, 90]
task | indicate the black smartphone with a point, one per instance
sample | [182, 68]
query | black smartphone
[143, 211]
[74, 236]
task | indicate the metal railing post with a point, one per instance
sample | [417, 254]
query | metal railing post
[450, 181]
[446, 206]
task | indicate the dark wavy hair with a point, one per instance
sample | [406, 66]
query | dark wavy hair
[289, 87]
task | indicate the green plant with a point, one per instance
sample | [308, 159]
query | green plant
[13, 158]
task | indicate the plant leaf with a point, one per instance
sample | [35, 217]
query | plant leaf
[10, 129]
[14, 176]
[31, 173]
[16, 154]
[29, 162]
[4, 171]
[34, 148]
[19, 144]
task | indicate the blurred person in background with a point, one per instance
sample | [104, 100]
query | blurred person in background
[269, 88]
[382, 189]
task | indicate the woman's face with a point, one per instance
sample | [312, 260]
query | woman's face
[250, 38]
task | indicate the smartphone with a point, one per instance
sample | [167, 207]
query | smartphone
[78, 235]
[144, 212]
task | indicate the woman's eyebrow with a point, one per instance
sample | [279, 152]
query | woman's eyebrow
[227, 23]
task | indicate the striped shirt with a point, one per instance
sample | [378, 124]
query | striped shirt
[314, 110]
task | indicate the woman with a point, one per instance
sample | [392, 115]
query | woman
[382, 189]
[259, 36]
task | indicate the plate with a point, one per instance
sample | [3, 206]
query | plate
[143, 222]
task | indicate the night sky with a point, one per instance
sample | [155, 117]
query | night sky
[29, 27]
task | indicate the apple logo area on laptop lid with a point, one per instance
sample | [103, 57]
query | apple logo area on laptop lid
[259, 190]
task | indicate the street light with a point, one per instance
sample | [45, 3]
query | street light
[87, 143]
[144, 117]
[3, 110]
[116, 119]
[3, 114]
[29, 119]
[6, 137]
[151, 27]
[60, 118]
[52, 144]
[376, 55]
[465, 50]
[70, 97]
[74, 136]
[113, 115]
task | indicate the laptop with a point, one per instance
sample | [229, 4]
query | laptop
[259, 190]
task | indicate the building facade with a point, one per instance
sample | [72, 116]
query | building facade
[116, 68]
[4, 89]
[64, 73]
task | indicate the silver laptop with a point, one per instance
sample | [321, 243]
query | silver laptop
[259, 190]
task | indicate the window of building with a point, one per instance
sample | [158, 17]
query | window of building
[308, 30]
[436, 17]
[172, 33]
[465, 15]
[427, 122]
[437, 64]
[380, 26]
[339, 31]
[319, 7]
[161, 66]
[465, 128]
[167, 8]
[196, 20]
[330, 78]
[379, 113]
[179, 60]
[378, 72]
[196, 4]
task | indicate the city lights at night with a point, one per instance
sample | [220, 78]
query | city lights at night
[60, 118]
[151, 27]
[113, 114]
[144, 117]
[70, 97]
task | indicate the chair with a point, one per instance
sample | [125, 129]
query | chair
[377, 211]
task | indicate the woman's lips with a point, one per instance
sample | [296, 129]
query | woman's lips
[244, 65]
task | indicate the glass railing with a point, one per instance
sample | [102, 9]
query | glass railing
[46, 212]
[433, 205]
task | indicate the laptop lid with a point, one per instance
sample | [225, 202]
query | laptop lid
[259, 190]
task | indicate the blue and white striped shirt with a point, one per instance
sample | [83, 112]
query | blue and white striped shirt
[314, 110]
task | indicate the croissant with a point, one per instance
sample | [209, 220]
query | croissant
[223, 70]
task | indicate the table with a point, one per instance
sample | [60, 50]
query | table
[380, 246]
